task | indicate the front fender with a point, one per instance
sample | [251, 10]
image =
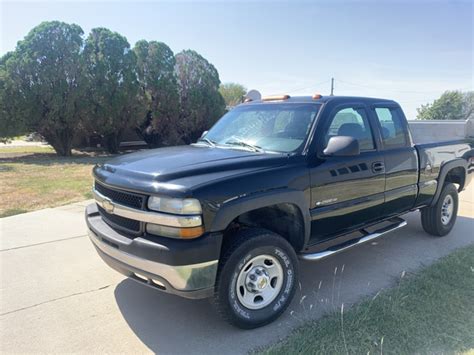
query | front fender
[232, 208]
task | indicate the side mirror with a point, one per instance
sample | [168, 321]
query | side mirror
[203, 134]
[342, 146]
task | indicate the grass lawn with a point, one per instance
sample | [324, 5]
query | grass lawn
[33, 177]
[6, 151]
[431, 312]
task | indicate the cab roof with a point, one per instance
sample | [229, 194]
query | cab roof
[322, 99]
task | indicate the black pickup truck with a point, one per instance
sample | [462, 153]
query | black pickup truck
[272, 181]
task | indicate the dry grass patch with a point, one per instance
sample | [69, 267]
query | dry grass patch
[31, 179]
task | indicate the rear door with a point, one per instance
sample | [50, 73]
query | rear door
[346, 192]
[400, 158]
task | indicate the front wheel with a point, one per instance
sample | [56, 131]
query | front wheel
[439, 219]
[257, 278]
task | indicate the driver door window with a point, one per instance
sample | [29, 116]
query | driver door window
[352, 122]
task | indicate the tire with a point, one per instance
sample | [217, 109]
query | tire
[237, 298]
[435, 219]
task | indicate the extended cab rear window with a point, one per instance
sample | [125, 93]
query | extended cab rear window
[392, 127]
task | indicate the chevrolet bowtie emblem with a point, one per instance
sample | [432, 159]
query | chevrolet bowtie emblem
[108, 205]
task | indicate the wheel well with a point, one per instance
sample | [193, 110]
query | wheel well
[456, 176]
[284, 219]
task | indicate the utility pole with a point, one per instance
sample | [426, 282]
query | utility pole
[332, 86]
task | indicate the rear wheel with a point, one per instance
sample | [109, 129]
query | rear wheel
[439, 219]
[256, 279]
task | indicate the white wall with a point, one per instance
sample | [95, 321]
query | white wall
[442, 130]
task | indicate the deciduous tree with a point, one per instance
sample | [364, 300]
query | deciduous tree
[452, 105]
[232, 93]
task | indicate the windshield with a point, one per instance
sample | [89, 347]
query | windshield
[268, 127]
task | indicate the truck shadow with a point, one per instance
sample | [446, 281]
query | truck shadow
[169, 324]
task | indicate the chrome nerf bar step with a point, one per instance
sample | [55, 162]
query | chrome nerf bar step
[367, 237]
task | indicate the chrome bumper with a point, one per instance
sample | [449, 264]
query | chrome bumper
[182, 278]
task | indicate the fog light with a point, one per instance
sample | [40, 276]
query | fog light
[171, 232]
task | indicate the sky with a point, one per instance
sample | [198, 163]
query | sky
[409, 51]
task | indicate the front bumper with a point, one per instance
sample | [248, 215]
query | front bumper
[186, 268]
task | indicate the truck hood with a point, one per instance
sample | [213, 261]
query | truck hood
[182, 165]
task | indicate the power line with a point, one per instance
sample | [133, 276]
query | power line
[344, 82]
[393, 90]
[305, 87]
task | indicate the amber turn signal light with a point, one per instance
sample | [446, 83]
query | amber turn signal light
[190, 233]
[276, 97]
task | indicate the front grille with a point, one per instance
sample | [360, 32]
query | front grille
[119, 222]
[129, 199]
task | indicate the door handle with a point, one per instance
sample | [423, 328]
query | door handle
[378, 167]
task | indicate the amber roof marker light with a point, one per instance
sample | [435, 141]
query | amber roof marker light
[275, 97]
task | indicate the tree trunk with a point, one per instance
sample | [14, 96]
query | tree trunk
[60, 141]
[112, 142]
[63, 149]
[146, 132]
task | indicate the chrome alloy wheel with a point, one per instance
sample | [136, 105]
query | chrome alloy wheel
[259, 282]
[447, 209]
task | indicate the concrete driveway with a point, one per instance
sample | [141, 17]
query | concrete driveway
[58, 296]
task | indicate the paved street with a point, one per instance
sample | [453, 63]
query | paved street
[58, 296]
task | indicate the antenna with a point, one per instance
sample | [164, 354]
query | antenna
[332, 86]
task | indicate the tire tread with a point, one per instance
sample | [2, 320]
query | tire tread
[229, 247]
[429, 215]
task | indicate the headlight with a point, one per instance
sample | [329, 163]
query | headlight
[174, 205]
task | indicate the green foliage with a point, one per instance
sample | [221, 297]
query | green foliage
[468, 107]
[58, 85]
[201, 102]
[114, 102]
[155, 67]
[452, 105]
[45, 84]
[10, 124]
[232, 93]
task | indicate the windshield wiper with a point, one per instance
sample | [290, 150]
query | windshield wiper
[242, 143]
[208, 141]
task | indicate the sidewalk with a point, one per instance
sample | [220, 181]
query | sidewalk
[43, 226]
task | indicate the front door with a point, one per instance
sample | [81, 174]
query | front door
[346, 192]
